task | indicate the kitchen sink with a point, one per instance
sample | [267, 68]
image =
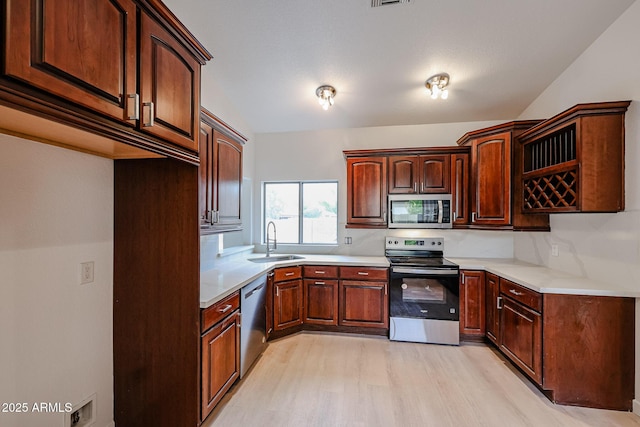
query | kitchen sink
[276, 258]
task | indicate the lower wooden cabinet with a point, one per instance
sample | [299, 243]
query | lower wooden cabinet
[521, 337]
[287, 298]
[472, 306]
[220, 346]
[492, 302]
[321, 301]
[364, 297]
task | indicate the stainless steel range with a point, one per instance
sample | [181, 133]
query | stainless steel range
[423, 291]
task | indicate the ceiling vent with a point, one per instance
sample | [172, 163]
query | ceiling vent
[377, 3]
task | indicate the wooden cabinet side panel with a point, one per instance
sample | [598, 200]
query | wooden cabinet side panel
[601, 154]
[156, 293]
[589, 354]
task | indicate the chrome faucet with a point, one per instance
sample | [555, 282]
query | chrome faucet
[274, 240]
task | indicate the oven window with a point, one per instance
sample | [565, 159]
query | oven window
[423, 290]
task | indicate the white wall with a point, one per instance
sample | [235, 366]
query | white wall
[599, 246]
[56, 211]
[317, 155]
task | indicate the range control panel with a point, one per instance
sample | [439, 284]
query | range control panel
[412, 243]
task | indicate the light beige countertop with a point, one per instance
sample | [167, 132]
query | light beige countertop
[230, 275]
[546, 280]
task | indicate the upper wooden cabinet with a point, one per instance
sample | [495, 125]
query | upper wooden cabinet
[574, 162]
[367, 192]
[373, 174]
[81, 50]
[220, 175]
[169, 86]
[120, 69]
[419, 174]
[495, 179]
[460, 173]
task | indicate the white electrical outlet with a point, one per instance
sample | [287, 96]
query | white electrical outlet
[554, 250]
[86, 272]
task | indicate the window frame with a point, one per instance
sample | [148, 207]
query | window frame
[300, 184]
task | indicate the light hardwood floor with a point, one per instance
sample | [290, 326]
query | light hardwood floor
[313, 379]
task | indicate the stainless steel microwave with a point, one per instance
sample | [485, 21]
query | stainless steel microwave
[420, 211]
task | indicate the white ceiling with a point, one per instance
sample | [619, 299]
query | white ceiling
[271, 55]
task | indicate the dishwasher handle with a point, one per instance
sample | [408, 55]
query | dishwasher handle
[253, 291]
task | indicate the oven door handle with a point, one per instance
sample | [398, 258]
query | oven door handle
[424, 271]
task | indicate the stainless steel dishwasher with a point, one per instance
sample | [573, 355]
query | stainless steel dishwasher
[253, 339]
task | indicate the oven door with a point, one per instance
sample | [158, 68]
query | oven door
[422, 293]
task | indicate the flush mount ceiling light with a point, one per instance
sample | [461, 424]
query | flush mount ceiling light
[325, 96]
[437, 86]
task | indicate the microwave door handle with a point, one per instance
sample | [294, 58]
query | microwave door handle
[440, 211]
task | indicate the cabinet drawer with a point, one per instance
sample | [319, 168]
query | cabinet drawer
[521, 294]
[320, 271]
[287, 273]
[364, 273]
[218, 311]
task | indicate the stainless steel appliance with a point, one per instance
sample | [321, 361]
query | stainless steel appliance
[420, 211]
[253, 339]
[423, 291]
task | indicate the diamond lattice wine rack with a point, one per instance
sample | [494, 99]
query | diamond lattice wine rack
[574, 162]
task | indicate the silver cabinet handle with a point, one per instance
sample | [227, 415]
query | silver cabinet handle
[415, 187]
[462, 277]
[289, 274]
[151, 114]
[319, 272]
[362, 273]
[319, 283]
[473, 217]
[499, 303]
[455, 216]
[513, 291]
[136, 106]
[225, 308]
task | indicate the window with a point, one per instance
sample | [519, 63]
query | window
[303, 212]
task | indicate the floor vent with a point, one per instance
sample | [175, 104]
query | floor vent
[378, 3]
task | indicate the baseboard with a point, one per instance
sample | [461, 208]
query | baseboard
[636, 407]
[111, 424]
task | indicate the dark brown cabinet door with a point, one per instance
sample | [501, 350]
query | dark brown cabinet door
[169, 87]
[364, 303]
[321, 302]
[80, 50]
[220, 361]
[367, 192]
[403, 174]
[227, 175]
[491, 307]
[460, 188]
[521, 337]
[435, 173]
[287, 304]
[472, 305]
[491, 164]
[205, 192]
